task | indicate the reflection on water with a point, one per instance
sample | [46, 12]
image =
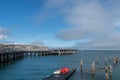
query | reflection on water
[36, 68]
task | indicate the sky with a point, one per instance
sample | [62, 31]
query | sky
[83, 24]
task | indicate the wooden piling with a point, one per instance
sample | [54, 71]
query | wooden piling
[93, 67]
[115, 60]
[110, 71]
[0, 58]
[106, 72]
[81, 65]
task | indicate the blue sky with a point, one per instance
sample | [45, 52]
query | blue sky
[21, 19]
[85, 24]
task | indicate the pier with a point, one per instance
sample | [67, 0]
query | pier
[10, 56]
[7, 56]
[50, 52]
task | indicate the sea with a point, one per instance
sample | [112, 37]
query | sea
[36, 68]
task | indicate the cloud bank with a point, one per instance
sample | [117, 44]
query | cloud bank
[96, 20]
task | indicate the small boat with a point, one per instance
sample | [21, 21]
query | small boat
[62, 74]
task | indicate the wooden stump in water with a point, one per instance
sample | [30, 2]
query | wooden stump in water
[106, 72]
[93, 67]
[81, 64]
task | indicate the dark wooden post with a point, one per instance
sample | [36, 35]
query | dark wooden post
[106, 72]
[0, 58]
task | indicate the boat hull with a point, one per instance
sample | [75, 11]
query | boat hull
[61, 76]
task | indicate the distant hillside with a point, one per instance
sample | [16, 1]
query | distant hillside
[9, 47]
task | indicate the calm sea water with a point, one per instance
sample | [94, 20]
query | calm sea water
[36, 68]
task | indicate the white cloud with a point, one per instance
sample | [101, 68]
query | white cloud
[87, 20]
[3, 36]
[95, 20]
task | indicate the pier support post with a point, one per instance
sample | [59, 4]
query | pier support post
[81, 65]
[59, 53]
[39, 54]
[0, 58]
[106, 72]
[7, 56]
[93, 67]
[115, 60]
[4, 58]
[110, 71]
[30, 54]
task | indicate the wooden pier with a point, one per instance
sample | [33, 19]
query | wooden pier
[10, 56]
[51, 52]
[13, 55]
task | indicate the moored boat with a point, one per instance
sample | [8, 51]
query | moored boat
[62, 74]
